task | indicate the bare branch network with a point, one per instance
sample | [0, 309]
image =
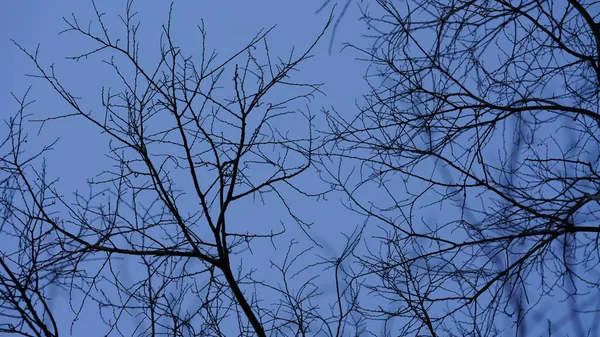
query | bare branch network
[487, 114]
[189, 138]
[470, 172]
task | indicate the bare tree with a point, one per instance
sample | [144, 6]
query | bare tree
[480, 138]
[189, 138]
[26, 269]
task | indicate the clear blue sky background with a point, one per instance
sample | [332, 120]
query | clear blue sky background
[230, 25]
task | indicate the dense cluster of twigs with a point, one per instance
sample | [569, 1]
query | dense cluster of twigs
[188, 138]
[474, 161]
[485, 113]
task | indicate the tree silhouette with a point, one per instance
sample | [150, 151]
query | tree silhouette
[480, 136]
[473, 161]
[189, 138]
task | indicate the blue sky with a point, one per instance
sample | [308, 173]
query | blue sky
[78, 156]
[229, 27]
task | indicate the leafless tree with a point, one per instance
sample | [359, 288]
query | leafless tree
[190, 138]
[26, 269]
[477, 153]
